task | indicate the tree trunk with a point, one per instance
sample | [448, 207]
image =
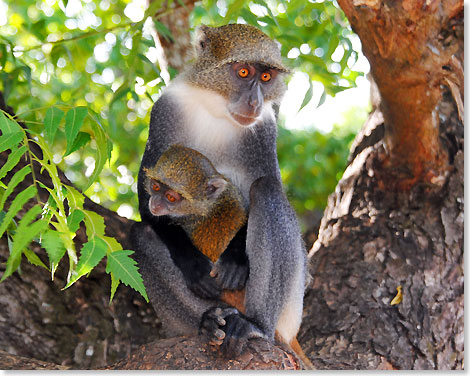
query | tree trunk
[388, 279]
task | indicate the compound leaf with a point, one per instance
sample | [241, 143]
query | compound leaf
[91, 254]
[125, 269]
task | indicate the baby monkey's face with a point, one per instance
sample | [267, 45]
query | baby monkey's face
[164, 200]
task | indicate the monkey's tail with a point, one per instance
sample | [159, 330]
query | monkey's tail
[295, 346]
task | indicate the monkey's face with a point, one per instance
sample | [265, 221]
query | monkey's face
[252, 84]
[164, 200]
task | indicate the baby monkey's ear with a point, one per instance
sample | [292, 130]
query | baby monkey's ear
[215, 186]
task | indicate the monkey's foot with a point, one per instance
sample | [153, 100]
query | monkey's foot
[229, 329]
[212, 321]
[238, 330]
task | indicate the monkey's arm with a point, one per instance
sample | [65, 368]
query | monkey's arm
[174, 302]
[275, 287]
[232, 268]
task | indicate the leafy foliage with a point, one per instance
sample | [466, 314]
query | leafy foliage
[82, 77]
[312, 164]
[92, 55]
[50, 223]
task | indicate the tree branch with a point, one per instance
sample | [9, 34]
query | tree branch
[404, 45]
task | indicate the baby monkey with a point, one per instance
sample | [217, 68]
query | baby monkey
[185, 186]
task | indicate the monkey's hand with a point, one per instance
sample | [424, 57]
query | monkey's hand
[202, 284]
[212, 321]
[229, 274]
[229, 329]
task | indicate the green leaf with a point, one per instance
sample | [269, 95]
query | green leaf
[12, 161]
[8, 126]
[3, 54]
[119, 93]
[91, 254]
[52, 120]
[24, 234]
[308, 95]
[74, 198]
[51, 241]
[322, 99]
[102, 151]
[33, 258]
[234, 8]
[10, 140]
[125, 269]
[15, 180]
[94, 224]
[112, 244]
[73, 122]
[2, 216]
[82, 139]
[114, 285]
[74, 219]
[17, 204]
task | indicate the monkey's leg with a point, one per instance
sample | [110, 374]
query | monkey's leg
[275, 287]
[179, 308]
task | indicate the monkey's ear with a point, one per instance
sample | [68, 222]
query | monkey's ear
[202, 39]
[215, 186]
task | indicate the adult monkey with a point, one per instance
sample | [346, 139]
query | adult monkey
[221, 106]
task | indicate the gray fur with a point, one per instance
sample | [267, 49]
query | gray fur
[178, 308]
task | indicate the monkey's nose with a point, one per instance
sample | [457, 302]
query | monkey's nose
[254, 102]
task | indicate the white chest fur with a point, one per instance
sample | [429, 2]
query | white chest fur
[209, 126]
[211, 130]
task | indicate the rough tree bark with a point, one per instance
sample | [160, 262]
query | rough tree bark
[396, 217]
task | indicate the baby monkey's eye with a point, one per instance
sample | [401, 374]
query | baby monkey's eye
[243, 72]
[172, 196]
[155, 186]
[266, 76]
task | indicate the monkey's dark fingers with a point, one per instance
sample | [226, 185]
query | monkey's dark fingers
[238, 331]
[231, 276]
[217, 337]
[206, 288]
[212, 321]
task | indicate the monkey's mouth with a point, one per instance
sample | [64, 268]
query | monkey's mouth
[243, 120]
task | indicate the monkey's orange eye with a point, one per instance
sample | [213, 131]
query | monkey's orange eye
[266, 76]
[172, 196]
[155, 187]
[243, 72]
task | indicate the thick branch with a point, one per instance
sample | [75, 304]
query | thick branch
[403, 42]
[177, 48]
